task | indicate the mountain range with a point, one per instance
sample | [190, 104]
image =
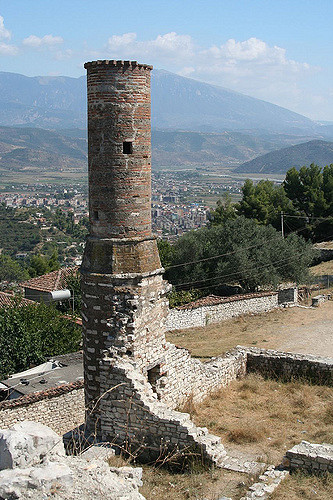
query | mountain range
[26, 147]
[178, 103]
[316, 151]
[43, 123]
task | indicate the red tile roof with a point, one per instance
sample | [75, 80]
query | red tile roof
[7, 299]
[212, 300]
[53, 392]
[56, 280]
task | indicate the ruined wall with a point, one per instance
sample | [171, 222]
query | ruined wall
[133, 417]
[61, 408]
[289, 366]
[183, 317]
[190, 316]
[310, 457]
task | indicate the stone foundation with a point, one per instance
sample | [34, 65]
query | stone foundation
[288, 366]
[137, 406]
[313, 458]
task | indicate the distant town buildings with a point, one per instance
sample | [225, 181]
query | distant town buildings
[179, 202]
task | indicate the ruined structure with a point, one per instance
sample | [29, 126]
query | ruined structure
[133, 377]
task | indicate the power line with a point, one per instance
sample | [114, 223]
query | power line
[253, 265]
[240, 272]
[277, 237]
[307, 217]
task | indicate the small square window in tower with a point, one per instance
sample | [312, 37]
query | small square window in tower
[127, 148]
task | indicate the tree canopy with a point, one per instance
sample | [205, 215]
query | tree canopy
[238, 252]
[29, 335]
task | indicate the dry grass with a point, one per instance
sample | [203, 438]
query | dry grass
[268, 330]
[323, 268]
[264, 418]
[198, 484]
[258, 419]
[304, 486]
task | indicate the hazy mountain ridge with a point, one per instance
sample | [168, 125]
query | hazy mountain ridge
[178, 103]
[315, 151]
[22, 148]
[27, 147]
[198, 148]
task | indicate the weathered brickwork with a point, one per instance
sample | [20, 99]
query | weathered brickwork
[134, 379]
[62, 408]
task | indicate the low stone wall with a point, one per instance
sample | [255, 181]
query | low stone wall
[215, 309]
[288, 366]
[183, 376]
[139, 413]
[315, 458]
[61, 408]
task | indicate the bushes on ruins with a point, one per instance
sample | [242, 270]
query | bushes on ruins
[29, 335]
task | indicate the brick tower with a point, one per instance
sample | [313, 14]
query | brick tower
[124, 303]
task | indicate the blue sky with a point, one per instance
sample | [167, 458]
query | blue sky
[276, 50]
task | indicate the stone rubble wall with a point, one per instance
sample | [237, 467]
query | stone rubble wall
[288, 366]
[268, 482]
[310, 457]
[133, 417]
[61, 409]
[188, 317]
[134, 413]
[184, 377]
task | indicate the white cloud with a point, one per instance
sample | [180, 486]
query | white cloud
[45, 41]
[168, 47]
[5, 48]
[4, 33]
[8, 50]
[62, 55]
[249, 66]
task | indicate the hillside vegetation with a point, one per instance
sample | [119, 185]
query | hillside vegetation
[22, 148]
[278, 162]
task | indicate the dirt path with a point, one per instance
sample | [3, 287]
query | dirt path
[297, 329]
[314, 335]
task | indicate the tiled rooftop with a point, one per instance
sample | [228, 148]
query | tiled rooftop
[56, 280]
[7, 299]
[212, 300]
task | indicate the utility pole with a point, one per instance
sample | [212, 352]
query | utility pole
[282, 228]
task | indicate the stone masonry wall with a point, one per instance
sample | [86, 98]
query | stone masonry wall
[133, 417]
[181, 318]
[183, 376]
[139, 414]
[288, 366]
[310, 457]
[62, 408]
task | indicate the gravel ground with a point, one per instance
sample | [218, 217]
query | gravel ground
[310, 331]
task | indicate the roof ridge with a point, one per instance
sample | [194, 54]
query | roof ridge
[57, 280]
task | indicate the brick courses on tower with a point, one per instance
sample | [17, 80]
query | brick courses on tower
[123, 290]
[134, 379]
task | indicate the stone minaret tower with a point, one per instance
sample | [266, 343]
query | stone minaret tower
[124, 303]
